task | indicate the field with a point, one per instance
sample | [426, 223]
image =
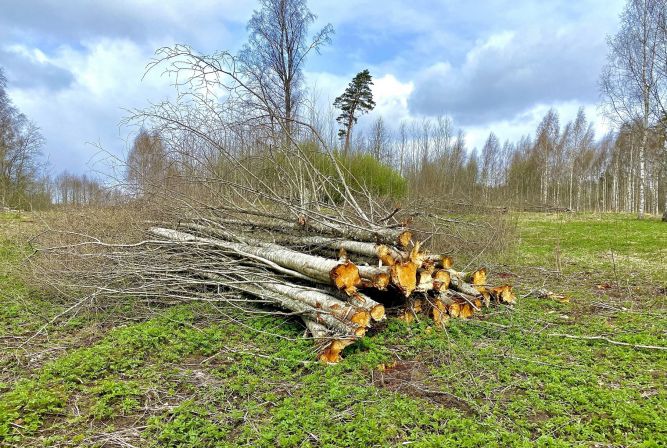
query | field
[580, 367]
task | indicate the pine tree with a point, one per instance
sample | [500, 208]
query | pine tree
[356, 100]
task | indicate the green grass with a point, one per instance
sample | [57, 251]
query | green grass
[613, 244]
[187, 377]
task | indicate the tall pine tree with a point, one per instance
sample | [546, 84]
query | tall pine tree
[356, 100]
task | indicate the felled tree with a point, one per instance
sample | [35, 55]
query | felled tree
[356, 100]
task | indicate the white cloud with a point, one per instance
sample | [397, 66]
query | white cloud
[107, 80]
[391, 97]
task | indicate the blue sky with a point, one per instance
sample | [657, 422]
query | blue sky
[75, 66]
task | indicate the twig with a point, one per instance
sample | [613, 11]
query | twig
[606, 339]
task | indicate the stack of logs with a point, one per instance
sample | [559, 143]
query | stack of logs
[339, 298]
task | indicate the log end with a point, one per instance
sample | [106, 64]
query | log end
[385, 256]
[378, 312]
[381, 281]
[404, 277]
[404, 239]
[441, 279]
[454, 309]
[362, 318]
[345, 276]
[332, 353]
[466, 311]
[447, 262]
[439, 313]
[477, 278]
[503, 294]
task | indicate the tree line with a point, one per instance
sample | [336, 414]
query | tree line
[265, 108]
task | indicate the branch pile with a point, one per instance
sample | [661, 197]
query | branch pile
[339, 275]
[290, 267]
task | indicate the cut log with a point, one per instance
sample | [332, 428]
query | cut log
[359, 233]
[476, 278]
[458, 283]
[425, 280]
[440, 261]
[454, 309]
[404, 277]
[331, 348]
[359, 300]
[388, 256]
[441, 280]
[345, 277]
[362, 301]
[377, 277]
[338, 316]
[503, 294]
[404, 239]
[466, 311]
[317, 268]
[321, 301]
[372, 250]
[439, 312]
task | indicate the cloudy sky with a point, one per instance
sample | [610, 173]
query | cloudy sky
[75, 66]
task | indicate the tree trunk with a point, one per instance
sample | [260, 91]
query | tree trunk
[348, 134]
[316, 268]
[642, 171]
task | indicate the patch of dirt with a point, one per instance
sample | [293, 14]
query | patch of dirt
[539, 417]
[411, 378]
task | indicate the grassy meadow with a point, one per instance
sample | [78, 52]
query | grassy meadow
[187, 376]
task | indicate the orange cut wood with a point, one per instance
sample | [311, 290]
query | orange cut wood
[331, 354]
[381, 281]
[404, 277]
[404, 239]
[466, 311]
[477, 278]
[503, 294]
[441, 279]
[385, 255]
[454, 309]
[447, 262]
[361, 317]
[345, 276]
[439, 312]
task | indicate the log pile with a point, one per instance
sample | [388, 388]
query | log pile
[340, 280]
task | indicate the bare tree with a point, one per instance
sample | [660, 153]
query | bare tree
[277, 48]
[20, 148]
[379, 140]
[629, 80]
[147, 163]
[546, 141]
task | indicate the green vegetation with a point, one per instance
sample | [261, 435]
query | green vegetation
[364, 170]
[358, 169]
[184, 376]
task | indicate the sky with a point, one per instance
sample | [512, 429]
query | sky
[75, 67]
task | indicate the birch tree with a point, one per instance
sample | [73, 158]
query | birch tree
[629, 80]
[277, 48]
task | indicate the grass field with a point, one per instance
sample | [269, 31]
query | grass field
[185, 376]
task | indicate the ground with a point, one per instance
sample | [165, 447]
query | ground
[185, 376]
